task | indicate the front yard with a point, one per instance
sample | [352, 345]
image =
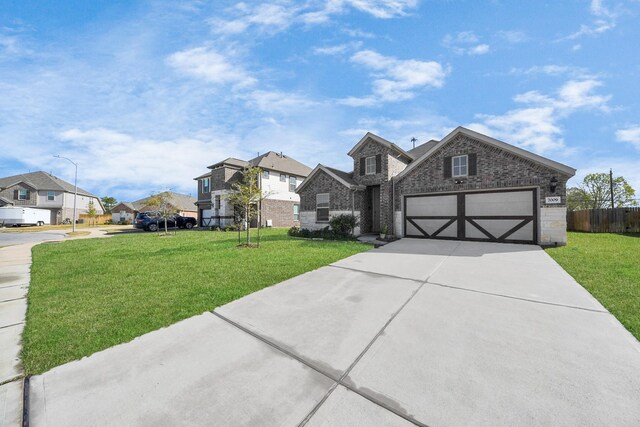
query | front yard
[608, 266]
[88, 295]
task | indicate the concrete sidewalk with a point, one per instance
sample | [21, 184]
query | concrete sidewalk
[15, 267]
[417, 332]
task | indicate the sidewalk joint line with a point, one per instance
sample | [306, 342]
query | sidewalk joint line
[337, 381]
[13, 324]
[377, 274]
[517, 298]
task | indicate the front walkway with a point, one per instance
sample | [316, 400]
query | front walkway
[417, 332]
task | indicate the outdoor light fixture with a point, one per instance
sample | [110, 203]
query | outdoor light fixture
[553, 184]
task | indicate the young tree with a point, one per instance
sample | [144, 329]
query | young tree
[92, 212]
[161, 203]
[108, 202]
[246, 195]
[595, 192]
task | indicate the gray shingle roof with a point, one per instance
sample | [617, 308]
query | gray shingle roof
[422, 148]
[230, 161]
[281, 163]
[347, 176]
[42, 181]
[181, 202]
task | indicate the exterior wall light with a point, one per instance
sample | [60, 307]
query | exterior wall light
[553, 184]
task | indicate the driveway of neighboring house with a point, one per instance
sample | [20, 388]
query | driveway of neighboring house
[418, 332]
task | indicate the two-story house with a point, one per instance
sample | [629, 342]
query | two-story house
[44, 191]
[467, 186]
[281, 176]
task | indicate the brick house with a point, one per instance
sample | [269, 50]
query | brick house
[281, 176]
[182, 204]
[467, 186]
[42, 190]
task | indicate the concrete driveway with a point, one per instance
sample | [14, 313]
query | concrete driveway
[415, 333]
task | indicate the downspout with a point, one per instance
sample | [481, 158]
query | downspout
[393, 206]
[353, 207]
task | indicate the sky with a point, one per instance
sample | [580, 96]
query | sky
[144, 95]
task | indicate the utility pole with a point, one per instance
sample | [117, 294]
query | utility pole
[611, 187]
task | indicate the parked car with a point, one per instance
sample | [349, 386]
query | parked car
[150, 221]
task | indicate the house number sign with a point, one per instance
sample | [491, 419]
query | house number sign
[553, 200]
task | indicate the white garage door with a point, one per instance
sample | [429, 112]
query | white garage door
[497, 216]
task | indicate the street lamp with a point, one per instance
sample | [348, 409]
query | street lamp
[75, 193]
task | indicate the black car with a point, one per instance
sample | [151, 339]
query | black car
[150, 221]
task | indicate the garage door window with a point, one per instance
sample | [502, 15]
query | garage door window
[322, 207]
[460, 165]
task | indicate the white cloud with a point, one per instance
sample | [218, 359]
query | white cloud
[553, 70]
[513, 37]
[465, 42]
[394, 79]
[145, 165]
[536, 126]
[337, 49]
[630, 135]
[277, 16]
[209, 65]
[604, 20]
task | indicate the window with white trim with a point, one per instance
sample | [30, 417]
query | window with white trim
[23, 194]
[293, 182]
[205, 185]
[460, 165]
[265, 174]
[322, 207]
[51, 195]
[283, 177]
[370, 165]
[296, 212]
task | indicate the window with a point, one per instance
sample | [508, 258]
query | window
[370, 165]
[205, 185]
[459, 164]
[216, 202]
[51, 195]
[322, 207]
[296, 212]
[265, 174]
[292, 184]
[283, 177]
[23, 194]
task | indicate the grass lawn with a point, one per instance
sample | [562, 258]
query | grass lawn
[608, 266]
[87, 295]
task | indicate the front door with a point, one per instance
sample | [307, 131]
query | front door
[375, 209]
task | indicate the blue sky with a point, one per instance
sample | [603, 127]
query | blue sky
[144, 95]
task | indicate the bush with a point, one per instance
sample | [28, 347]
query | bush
[343, 224]
[230, 227]
[324, 233]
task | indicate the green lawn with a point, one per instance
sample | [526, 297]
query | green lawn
[608, 266]
[87, 295]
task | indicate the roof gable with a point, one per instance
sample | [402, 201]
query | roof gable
[378, 140]
[343, 178]
[490, 141]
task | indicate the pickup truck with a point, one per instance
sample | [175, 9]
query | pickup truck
[149, 221]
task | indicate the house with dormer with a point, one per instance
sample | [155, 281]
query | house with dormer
[280, 176]
[467, 186]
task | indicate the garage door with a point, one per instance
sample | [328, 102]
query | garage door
[493, 216]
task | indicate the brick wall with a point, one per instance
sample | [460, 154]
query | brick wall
[279, 211]
[339, 194]
[496, 168]
[9, 194]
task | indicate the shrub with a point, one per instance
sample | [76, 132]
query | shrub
[343, 224]
[294, 231]
[230, 227]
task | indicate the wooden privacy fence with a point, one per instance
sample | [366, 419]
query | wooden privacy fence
[98, 219]
[616, 220]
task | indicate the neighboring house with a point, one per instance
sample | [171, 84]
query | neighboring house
[467, 186]
[281, 176]
[123, 212]
[44, 191]
[182, 204]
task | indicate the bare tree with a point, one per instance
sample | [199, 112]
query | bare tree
[247, 195]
